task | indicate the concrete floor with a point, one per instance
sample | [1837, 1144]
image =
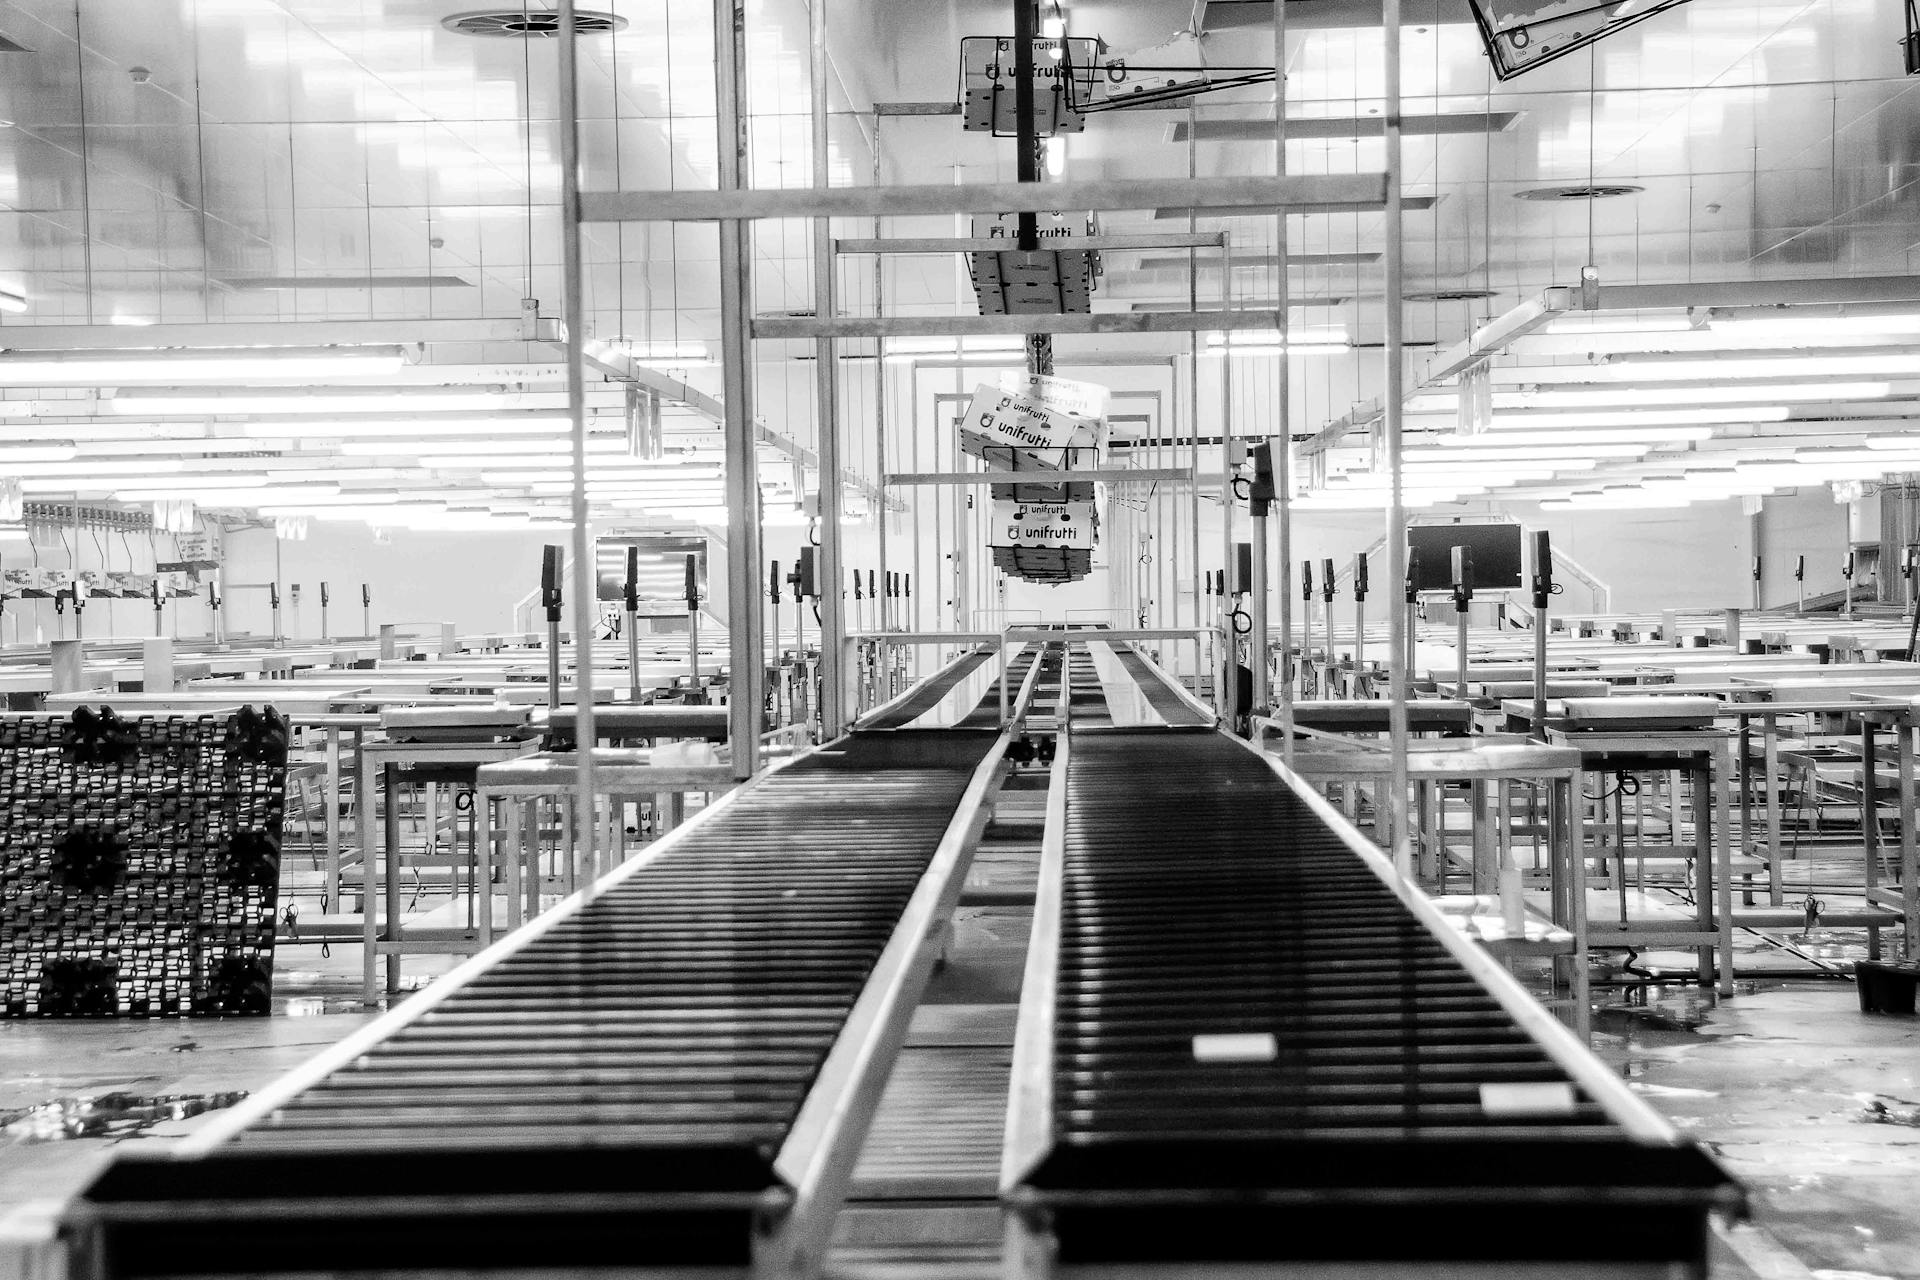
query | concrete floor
[1814, 1105]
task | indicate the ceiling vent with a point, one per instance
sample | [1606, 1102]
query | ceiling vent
[530, 24]
[1603, 191]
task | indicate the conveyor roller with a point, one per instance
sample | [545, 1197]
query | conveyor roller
[1242, 1041]
[676, 1072]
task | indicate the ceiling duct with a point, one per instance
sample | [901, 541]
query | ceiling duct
[530, 24]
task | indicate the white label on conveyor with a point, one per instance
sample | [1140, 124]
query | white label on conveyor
[1521, 1100]
[1247, 1046]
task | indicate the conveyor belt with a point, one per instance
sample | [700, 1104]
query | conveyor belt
[662, 1076]
[928, 693]
[1394, 1098]
[1159, 689]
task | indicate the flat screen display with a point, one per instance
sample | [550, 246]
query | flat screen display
[662, 568]
[1496, 555]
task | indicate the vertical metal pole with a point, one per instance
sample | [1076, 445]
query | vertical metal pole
[884, 606]
[746, 674]
[1399, 685]
[1258, 636]
[633, 657]
[1283, 426]
[585, 607]
[1359, 631]
[826, 381]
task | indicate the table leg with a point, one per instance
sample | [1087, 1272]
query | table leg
[1909, 855]
[516, 847]
[391, 856]
[370, 889]
[1776, 845]
[483, 864]
[1722, 775]
[331, 796]
[1870, 818]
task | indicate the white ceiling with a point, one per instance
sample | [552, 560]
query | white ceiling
[400, 171]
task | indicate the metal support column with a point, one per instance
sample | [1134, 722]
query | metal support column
[585, 605]
[834, 665]
[1399, 685]
[1283, 425]
[747, 672]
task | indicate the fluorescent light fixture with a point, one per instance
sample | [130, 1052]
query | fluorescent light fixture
[1786, 327]
[1617, 322]
[1301, 340]
[107, 368]
[1780, 364]
[972, 349]
[89, 470]
[403, 433]
[1531, 419]
[14, 455]
[1056, 153]
[240, 496]
[11, 301]
[1576, 438]
[663, 352]
[1620, 397]
[532, 444]
[1571, 451]
[198, 403]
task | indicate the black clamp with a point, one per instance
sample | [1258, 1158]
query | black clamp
[1261, 493]
[551, 595]
[1542, 570]
[1462, 578]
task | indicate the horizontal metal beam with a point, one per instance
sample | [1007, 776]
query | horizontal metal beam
[1098, 475]
[1223, 209]
[1051, 244]
[1246, 260]
[1750, 293]
[916, 108]
[783, 327]
[253, 333]
[1303, 127]
[1303, 193]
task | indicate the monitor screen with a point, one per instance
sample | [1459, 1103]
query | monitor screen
[663, 567]
[1496, 555]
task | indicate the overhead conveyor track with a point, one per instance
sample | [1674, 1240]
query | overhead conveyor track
[675, 1072]
[1243, 1041]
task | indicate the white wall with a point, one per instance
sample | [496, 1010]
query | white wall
[472, 580]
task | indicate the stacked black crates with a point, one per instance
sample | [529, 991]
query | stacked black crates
[140, 863]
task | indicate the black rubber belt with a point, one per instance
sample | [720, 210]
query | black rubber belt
[1166, 704]
[929, 693]
[1201, 897]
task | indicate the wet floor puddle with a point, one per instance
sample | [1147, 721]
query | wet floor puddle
[106, 1115]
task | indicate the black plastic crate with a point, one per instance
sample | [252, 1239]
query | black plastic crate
[140, 863]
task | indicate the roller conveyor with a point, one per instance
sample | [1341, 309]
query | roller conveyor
[927, 693]
[1169, 701]
[674, 1073]
[1243, 1042]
